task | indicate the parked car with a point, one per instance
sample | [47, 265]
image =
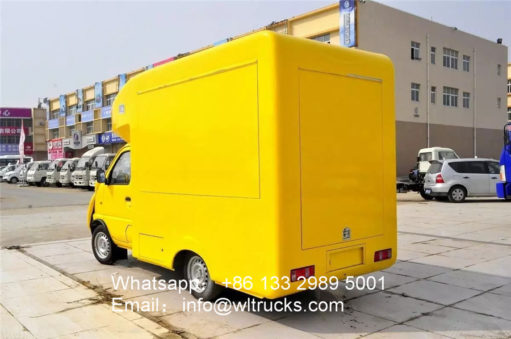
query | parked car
[80, 176]
[6, 169]
[66, 172]
[456, 179]
[13, 176]
[102, 162]
[53, 173]
[36, 175]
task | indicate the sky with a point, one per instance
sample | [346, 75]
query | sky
[48, 48]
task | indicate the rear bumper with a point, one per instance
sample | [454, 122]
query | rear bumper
[436, 190]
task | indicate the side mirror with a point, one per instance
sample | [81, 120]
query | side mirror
[72, 167]
[101, 177]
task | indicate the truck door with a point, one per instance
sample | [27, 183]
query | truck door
[116, 198]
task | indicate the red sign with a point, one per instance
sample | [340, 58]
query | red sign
[55, 149]
[29, 149]
[11, 130]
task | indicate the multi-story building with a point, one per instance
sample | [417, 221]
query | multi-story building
[33, 119]
[449, 85]
[509, 91]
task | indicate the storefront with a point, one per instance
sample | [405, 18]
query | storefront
[10, 129]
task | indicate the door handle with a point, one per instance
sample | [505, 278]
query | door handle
[494, 177]
[466, 177]
[127, 199]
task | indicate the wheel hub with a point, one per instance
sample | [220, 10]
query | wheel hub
[102, 245]
[198, 274]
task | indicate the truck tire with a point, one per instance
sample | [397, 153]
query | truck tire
[457, 194]
[196, 273]
[14, 180]
[104, 249]
[424, 195]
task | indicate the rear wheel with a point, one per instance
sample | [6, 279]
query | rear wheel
[424, 195]
[197, 274]
[14, 180]
[457, 194]
[104, 249]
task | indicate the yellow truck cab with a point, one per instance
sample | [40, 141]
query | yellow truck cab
[262, 180]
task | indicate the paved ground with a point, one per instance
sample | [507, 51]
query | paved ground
[35, 214]
[452, 279]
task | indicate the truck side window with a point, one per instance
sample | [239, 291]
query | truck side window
[121, 173]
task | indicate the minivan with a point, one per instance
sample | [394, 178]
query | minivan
[36, 175]
[53, 173]
[457, 179]
[66, 172]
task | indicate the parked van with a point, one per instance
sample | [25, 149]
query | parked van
[24, 171]
[53, 174]
[66, 171]
[102, 161]
[13, 176]
[431, 154]
[81, 175]
[36, 175]
[262, 182]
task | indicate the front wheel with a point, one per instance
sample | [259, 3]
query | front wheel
[104, 249]
[457, 194]
[424, 195]
[197, 274]
[14, 180]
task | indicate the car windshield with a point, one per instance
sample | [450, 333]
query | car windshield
[82, 162]
[99, 162]
[425, 156]
[442, 155]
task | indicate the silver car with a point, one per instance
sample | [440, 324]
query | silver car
[456, 179]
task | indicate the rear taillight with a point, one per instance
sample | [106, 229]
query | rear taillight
[383, 255]
[439, 179]
[304, 272]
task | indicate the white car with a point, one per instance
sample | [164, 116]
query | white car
[36, 175]
[456, 179]
[13, 176]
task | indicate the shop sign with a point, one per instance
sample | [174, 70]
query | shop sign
[12, 130]
[55, 149]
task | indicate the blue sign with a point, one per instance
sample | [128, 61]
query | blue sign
[122, 80]
[62, 109]
[108, 138]
[70, 120]
[106, 112]
[347, 16]
[87, 116]
[79, 100]
[53, 123]
[98, 94]
[9, 149]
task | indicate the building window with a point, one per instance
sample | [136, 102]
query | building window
[88, 105]
[499, 69]
[509, 86]
[415, 91]
[433, 94]
[89, 127]
[71, 110]
[466, 100]
[54, 114]
[499, 103]
[109, 124]
[433, 55]
[416, 50]
[450, 97]
[466, 63]
[109, 99]
[322, 38]
[54, 133]
[450, 58]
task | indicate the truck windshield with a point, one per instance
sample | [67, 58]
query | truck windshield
[43, 166]
[82, 162]
[447, 155]
[425, 156]
[99, 162]
[53, 165]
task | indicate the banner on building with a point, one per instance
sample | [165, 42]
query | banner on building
[13, 149]
[55, 149]
[6, 112]
[79, 100]
[122, 80]
[12, 130]
[347, 15]
[98, 94]
[62, 109]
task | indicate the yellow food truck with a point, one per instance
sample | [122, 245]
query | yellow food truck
[259, 165]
